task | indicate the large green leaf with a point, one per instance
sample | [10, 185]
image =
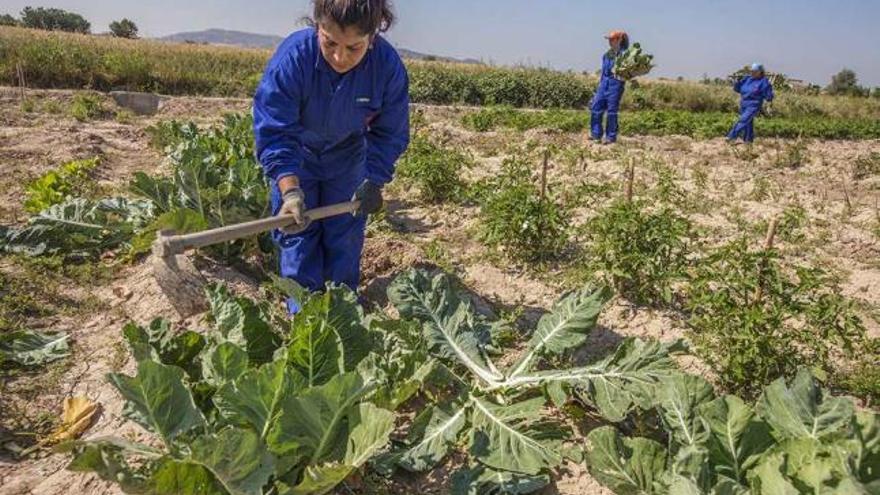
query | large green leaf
[224, 363]
[237, 458]
[627, 378]
[515, 437]
[176, 477]
[333, 430]
[449, 323]
[616, 384]
[767, 477]
[107, 459]
[737, 437]
[317, 422]
[625, 465]
[180, 221]
[78, 228]
[401, 357]
[181, 350]
[319, 480]
[329, 336]
[818, 466]
[158, 400]
[566, 327]
[369, 429]
[679, 398]
[691, 462]
[803, 410]
[481, 480]
[255, 398]
[433, 433]
[867, 449]
[244, 323]
[33, 348]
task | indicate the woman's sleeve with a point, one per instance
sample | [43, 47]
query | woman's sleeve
[737, 86]
[277, 127]
[768, 92]
[388, 135]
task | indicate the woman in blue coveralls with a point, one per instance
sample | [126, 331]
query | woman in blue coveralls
[755, 90]
[331, 118]
[609, 93]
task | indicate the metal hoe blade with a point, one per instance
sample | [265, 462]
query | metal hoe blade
[181, 282]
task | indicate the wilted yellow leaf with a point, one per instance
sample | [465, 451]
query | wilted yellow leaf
[78, 415]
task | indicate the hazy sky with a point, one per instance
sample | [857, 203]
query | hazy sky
[807, 39]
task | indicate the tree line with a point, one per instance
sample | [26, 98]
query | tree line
[52, 19]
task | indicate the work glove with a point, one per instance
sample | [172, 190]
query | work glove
[293, 203]
[370, 196]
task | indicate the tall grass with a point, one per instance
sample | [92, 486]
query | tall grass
[64, 60]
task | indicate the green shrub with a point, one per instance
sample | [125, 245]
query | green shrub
[641, 253]
[516, 218]
[863, 380]
[792, 155]
[434, 168]
[449, 84]
[54, 187]
[86, 107]
[755, 319]
[790, 227]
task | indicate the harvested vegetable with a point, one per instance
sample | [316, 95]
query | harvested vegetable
[633, 62]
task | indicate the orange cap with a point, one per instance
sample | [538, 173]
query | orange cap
[616, 35]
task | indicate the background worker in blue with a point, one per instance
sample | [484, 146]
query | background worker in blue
[609, 93]
[755, 90]
[331, 118]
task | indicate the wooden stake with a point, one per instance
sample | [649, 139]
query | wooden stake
[768, 245]
[630, 178]
[846, 199]
[544, 174]
[21, 81]
[771, 234]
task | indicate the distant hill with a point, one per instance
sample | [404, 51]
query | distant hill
[413, 55]
[225, 37]
[254, 40]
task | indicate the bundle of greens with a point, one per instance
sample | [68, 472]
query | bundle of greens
[632, 63]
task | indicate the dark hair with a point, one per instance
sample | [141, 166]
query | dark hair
[369, 16]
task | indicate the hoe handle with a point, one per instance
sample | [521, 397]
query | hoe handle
[168, 245]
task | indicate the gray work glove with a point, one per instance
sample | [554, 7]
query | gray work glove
[294, 203]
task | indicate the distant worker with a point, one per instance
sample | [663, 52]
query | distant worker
[609, 93]
[331, 118]
[754, 89]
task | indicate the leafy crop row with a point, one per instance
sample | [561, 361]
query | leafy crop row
[668, 122]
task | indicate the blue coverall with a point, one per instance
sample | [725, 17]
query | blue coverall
[754, 93]
[607, 99]
[331, 131]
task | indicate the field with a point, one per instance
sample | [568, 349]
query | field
[764, 259]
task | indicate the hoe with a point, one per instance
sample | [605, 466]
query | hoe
[179, 279]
